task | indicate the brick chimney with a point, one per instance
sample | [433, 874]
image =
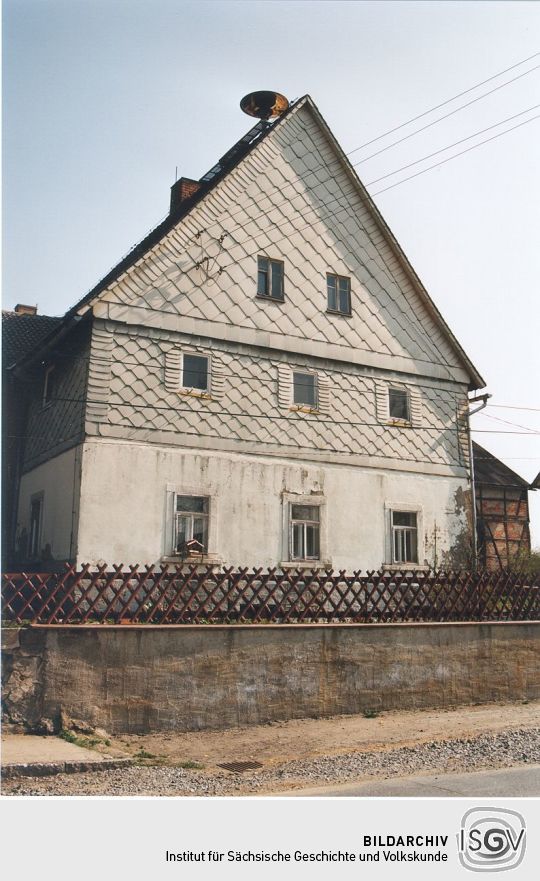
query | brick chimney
[23, 309]
[183, 189]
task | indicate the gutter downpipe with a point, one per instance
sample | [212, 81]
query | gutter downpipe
[484, 399]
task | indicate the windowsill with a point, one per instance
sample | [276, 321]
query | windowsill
[194, 393]
[198, 560]
[303, 408]
[270, 299]
[399, 423]
[303, 564]
[338, 312]
[405, 567]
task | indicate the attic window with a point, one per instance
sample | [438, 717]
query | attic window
[48, 386]
[270, 275]
[338, 289]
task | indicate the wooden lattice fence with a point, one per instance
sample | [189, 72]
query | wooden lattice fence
[200, 594]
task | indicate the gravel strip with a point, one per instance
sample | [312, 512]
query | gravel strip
[513, 747]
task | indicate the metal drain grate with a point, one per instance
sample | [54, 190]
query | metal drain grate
[238, 767]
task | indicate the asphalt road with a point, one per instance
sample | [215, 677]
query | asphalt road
[518, 782]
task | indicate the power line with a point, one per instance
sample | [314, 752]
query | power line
[506, 422]
[374, 377]
[483, 82]
[455, 156]
[455, 144]
[443, 103]
[313, 171]
[296, 416]
[345, 194]
[515, 407]
[446, 115]
[238, 227]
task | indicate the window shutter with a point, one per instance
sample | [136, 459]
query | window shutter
[284, 386]
[416, 407]
[217, 377]
[381, 400]
[173, 360]
[323, 394]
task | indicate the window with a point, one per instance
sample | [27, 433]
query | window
[195, 372]
[34, 538]
[338, 288]
[404, 537]
[305, 389]
[191, 523]
[270, 278]
[48, 385]
[399, 404]
[304, 532]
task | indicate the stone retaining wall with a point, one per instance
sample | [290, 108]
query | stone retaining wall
[140, 679]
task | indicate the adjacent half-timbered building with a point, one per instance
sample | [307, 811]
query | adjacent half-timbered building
[502, 506]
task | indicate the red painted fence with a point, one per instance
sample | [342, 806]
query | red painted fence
[211, 595]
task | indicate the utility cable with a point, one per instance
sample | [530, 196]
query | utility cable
[443, 104]
[455, 156]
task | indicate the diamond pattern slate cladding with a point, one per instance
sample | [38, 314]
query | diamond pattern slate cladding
[318, 223]
[248, 408]
[60, 424]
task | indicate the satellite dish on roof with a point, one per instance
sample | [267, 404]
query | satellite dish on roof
[264, 105]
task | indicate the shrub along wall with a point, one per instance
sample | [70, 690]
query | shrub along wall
[141, 679]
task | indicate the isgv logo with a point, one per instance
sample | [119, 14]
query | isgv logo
[491, 839]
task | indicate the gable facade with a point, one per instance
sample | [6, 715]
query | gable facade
[254, 450]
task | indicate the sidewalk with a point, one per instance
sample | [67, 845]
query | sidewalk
[27, 755]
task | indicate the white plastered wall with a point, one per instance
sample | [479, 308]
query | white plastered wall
[127, 493]
[56, 482]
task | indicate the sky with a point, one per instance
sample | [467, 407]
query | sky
[104, 100]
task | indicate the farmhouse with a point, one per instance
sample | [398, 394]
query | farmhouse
[262, 381]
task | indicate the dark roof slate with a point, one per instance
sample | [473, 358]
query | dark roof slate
[490, 470]
[21, 333]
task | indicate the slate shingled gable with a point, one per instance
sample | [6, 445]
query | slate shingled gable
[231, 160]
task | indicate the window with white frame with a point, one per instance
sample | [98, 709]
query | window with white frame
[404, 536]
[195, 372]
[305, 389]
[190, 523]
[399, 406]
[49, 385]
[338, 289]
[304, 532]
[270, 274]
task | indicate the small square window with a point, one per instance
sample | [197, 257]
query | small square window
[305, 389]
[304, 527]
[338, 288]
[191, 525]
[195, 372]
[399, 405]
[404, 537]
[270, 275]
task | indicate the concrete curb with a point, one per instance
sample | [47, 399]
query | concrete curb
[45, 769]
